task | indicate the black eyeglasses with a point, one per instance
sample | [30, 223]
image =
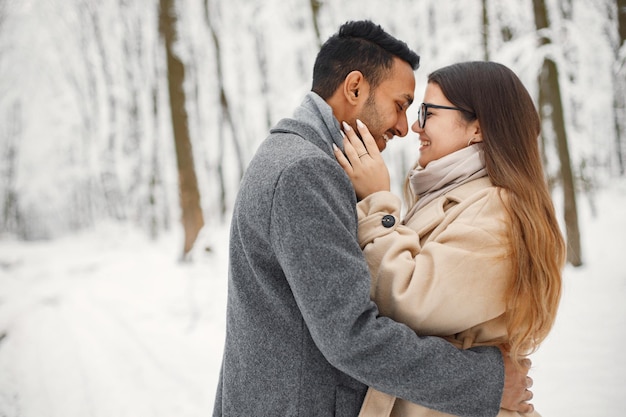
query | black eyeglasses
[421, 115]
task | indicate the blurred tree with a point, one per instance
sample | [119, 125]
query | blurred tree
[485, 25]
[225, 117]
[158, 210]
[3, 12]
[315, 13]
[11, 220]
[619, 81]
[10, 132]
[114, 196]
[95, 125]
[192, 218]
[262, 62]
[132, 56]
[551, 106]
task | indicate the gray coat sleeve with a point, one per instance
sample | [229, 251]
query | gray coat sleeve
[313, 227]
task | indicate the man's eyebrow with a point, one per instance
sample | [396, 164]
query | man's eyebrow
[409, 99]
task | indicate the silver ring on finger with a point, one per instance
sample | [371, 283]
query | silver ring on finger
[363, 154]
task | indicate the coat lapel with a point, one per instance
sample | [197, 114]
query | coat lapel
[428, 217]
[431, 215]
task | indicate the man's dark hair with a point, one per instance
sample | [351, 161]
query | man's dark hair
[358, 46]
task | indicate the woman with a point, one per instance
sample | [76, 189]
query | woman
[478, 257]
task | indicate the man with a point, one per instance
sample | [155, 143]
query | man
[303, 337]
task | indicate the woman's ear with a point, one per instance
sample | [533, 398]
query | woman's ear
[477, 132]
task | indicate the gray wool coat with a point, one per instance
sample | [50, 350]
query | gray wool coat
[303, 337]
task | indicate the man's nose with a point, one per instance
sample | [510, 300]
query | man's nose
[402, 127]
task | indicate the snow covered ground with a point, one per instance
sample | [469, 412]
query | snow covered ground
[108, 324]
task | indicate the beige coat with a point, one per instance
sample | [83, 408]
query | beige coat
[443, 272]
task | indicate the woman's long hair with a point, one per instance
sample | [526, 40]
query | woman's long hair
[510, 128]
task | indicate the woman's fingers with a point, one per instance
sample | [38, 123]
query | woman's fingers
[362, 161]
[353, 146]
[343, 161]
[368, 141]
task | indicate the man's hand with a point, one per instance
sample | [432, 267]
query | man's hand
[516, 392]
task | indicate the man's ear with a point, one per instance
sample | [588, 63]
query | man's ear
[353, 86]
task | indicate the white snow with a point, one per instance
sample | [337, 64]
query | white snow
[108, 323]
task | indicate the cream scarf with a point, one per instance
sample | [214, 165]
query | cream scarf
[445, 174]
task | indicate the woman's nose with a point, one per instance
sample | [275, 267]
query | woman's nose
[415, 127]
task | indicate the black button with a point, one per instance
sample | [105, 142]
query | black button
[388, 220]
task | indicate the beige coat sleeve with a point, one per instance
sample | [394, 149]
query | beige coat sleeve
[450, 279]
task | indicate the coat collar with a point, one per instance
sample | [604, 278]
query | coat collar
[424, 220]
[314, 121]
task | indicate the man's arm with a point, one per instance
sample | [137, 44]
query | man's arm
[314, 230]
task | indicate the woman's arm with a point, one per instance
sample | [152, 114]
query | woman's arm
[453, 280]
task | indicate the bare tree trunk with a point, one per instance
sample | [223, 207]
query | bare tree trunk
[86, 91]
[192, 218]
[543, 103]
[506, 32]
[315, 11]
[158, 214]
[115, 198]
[226, 115]
[485, 26]
[264, 72]
[619, 81]
[3, 12]
[621, 20]
[132, 53]
[11, 218]
[549, 83]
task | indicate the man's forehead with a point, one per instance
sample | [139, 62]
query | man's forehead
[399, 86]
[399, 89]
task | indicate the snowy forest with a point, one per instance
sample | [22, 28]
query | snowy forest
[125, 127]
[147, 112]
